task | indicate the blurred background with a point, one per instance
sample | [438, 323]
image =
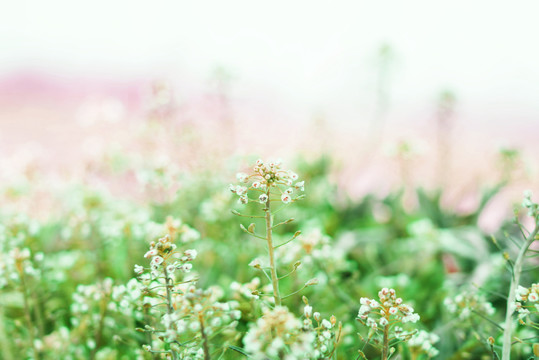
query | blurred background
[433, 94]
[414, 125]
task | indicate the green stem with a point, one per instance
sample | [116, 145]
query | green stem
[274, 277]
[204, 338]
[27, 313]
[515, 279]
[4, 343]
[385, 348]
[170, 309]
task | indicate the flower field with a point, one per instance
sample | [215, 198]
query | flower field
[155, 252]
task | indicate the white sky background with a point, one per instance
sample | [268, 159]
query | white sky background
[310, 56]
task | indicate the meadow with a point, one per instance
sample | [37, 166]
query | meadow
[170, 250]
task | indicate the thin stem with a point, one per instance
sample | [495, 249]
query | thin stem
[295, 292]
[170, 308]
[204, 337]
[27, 312]
[4, 343]
[274, 277]
[515, 279]
[385, 349]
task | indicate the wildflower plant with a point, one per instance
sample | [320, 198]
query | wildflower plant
[516, 266]
[185, 317]
[269, 185]
[384, 318]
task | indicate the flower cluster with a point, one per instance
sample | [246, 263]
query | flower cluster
[99, 311]
[527, 299]
[278, 334]
[389, 311]
[423, 342]
[327, 334]
[264, 178]
[163, 255]
[467, 302]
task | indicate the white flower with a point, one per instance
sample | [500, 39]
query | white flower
[139, 269]
[241, 190]
[186, 267]
[363, 309]
[300, 186]
[410, 318]
[533, 297]
[521, 290]
[157, 260]
[326, 324]
[263, 198]
[286, 198]
[365, 301]
[371, 323]
[308, 311]
[243, 199]
[242, 177]
[150, 253]
[191, 254]
[383, 322]
[255, 263]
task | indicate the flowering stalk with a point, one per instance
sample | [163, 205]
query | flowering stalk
[20, 257]
[204, 337]
[386, 314]
[169, 284]
[273, 269]
[515, 278]
[271, 182]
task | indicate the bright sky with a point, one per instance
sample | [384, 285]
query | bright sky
[318, 56]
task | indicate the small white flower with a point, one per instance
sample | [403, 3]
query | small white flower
[186, 268]
[383, 322]
[242, 177]
[300, 186]
[263, 198]
[289, 191]
[363, 309]
[326, 324]
[365, 301]
[308, 311]
[243, 199]
[241, 190]
[139, 269]
[157, 260]
[255, 263]
[191, 254]
[286, 198]
[372, 323]
[533, 297]
[150, 253]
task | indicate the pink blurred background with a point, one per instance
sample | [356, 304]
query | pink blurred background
[354, 79]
